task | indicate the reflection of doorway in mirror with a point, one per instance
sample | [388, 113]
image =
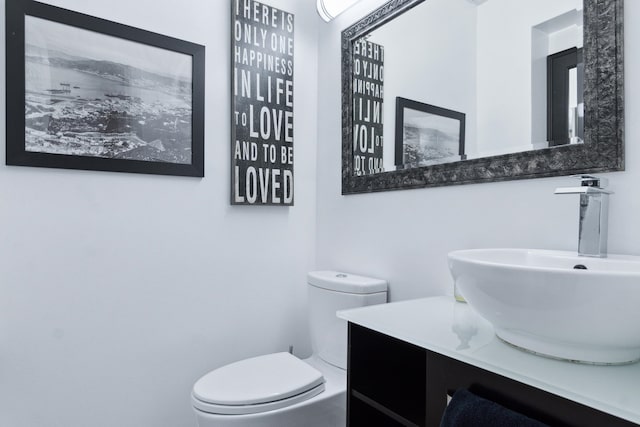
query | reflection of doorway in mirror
[556, 49]
[565, 115]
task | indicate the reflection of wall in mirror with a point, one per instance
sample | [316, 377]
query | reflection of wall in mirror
[516, 65]
[430, 57]
[479, 60]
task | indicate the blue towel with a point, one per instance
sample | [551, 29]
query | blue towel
[468, 410]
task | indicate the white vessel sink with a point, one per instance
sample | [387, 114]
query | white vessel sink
[538, 301]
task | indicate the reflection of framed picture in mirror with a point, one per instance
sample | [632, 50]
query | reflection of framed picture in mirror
[86, 93]
[427, 135]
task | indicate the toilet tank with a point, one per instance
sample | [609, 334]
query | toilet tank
[331, 291]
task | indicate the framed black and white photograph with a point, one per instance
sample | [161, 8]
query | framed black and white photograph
[87, 93]
[427, 134]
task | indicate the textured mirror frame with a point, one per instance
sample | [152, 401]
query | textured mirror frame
[602, 151]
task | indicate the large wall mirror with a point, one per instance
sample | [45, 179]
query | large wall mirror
[442, 92]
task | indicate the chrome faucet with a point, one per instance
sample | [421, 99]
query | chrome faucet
[594, 213]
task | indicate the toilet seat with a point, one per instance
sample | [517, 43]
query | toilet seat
[256, 385]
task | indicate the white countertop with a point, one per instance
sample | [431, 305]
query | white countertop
[454, 329]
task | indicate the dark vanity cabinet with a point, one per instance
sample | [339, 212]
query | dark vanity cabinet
[385, 380]
[394, 383]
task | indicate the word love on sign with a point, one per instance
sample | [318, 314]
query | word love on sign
[262, 110]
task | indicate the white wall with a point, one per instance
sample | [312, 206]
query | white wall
[404, 236]
[117, 291]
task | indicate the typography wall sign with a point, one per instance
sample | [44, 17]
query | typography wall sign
[86, 93]
[262, 105]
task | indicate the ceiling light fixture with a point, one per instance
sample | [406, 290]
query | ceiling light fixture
[329, 9]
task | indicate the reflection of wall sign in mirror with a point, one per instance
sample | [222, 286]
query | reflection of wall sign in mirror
[565, 103]
[368, 93]
[122, 100]
[427, 135]
[262, 105]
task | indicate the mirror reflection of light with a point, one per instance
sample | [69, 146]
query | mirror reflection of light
[329, 9]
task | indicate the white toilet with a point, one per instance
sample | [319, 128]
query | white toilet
[280, 390]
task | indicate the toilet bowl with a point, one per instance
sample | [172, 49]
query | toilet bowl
[281, 390]
[322, 406]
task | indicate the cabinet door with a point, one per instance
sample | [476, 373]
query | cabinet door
[367, 415]
[386, 380]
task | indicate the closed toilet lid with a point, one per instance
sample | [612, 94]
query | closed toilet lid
[257, 382]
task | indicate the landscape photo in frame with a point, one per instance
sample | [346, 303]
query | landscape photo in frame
[100, 95]
[427, 134]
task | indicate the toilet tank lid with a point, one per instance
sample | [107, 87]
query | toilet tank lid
[346, 282]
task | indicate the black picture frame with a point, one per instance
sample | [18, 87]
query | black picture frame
[166, 156]
[444, 124]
